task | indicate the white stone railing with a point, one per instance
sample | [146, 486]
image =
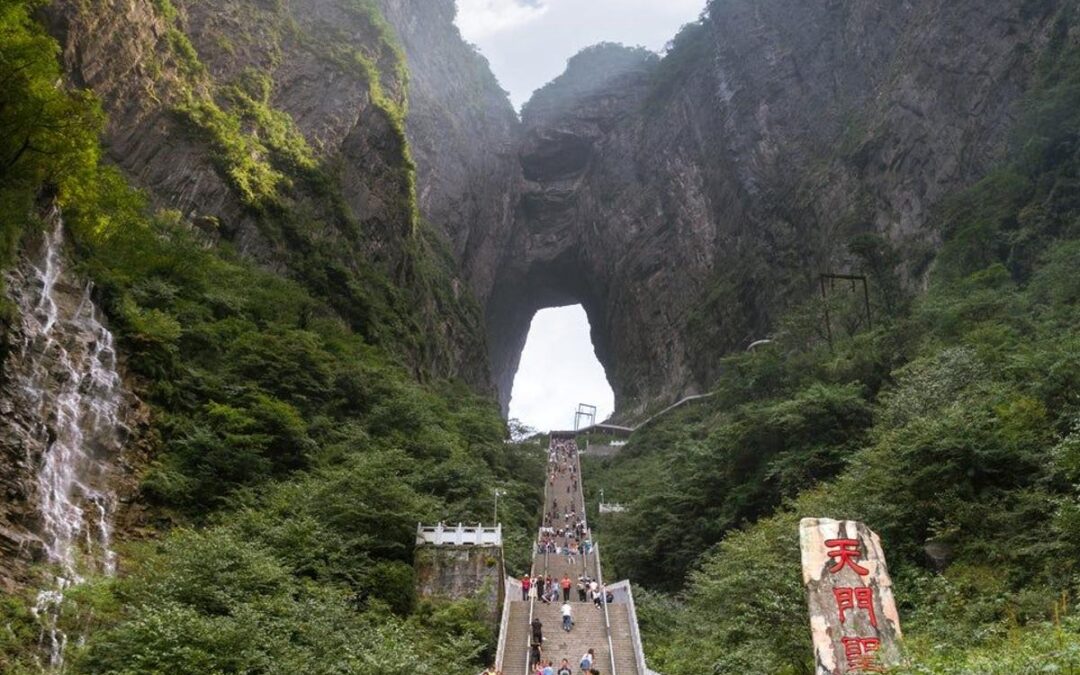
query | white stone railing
[622, 594]
[462, 535]
[511, 590]
[610, 507]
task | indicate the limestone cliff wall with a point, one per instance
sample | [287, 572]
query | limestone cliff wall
[464, 136]
[280, 127]
[687, 201]
[684, 201]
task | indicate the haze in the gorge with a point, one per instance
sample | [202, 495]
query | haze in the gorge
[527, 43]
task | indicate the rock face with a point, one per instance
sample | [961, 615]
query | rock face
[461, 573]
[69, 426]
[464, 137]
[686, 202]
[149, 62]
[279, 126]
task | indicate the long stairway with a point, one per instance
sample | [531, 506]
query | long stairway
[590, 629]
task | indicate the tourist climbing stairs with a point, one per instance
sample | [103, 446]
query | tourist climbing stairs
[609, 629]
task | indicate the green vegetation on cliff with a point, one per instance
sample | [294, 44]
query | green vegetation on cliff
[380, 266]
[47, 135]
[952, 428]
[290, 453]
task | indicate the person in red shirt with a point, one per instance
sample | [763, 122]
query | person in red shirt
[566, 583]
[526, 581]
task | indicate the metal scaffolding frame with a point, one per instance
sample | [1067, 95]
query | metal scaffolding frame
[584, 412]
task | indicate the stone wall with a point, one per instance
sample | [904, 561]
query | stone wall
[461, 572]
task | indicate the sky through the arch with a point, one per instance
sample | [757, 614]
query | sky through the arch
[558, 370]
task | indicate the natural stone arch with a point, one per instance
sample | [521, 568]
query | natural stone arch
[521, 292]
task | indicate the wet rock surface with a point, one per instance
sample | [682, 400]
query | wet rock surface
[69, 430]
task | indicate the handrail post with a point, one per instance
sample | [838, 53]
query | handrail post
[635, 631]
[504, 623]
[603, 601]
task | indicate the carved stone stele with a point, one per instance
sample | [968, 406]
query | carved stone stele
[853, 617]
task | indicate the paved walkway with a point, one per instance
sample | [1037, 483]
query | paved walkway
[563, 491]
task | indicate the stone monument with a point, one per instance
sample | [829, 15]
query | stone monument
[853, 617]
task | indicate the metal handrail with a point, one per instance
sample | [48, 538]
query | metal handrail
[532, 568]
[528, 627]
[635, 632]
[584, 514]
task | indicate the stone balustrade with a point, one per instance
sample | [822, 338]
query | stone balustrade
[460, 535]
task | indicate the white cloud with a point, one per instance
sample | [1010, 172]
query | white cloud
[478, 19]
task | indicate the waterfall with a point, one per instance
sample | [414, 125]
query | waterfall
[68, 382]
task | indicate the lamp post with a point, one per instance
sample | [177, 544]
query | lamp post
[498, 493]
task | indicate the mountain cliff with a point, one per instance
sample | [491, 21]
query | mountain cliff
[687, 201]
[279, 128]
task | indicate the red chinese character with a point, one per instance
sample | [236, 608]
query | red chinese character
[847, 550]
[859, 652]
[855, 598]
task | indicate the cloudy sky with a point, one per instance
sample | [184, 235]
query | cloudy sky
[527, 43]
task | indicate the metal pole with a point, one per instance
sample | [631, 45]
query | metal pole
[866, 299]
[498, 493]
[828, 320]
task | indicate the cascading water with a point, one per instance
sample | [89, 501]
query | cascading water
[69, 382]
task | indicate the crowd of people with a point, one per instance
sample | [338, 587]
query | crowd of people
[542, 666]
[545, 666]
[563, 532]
[548, 589]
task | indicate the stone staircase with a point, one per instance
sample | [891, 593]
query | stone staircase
[517, 639]
[556, 566]
[589, 632]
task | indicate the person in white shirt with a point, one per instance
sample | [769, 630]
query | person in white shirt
[567, 617]
[587, 661]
